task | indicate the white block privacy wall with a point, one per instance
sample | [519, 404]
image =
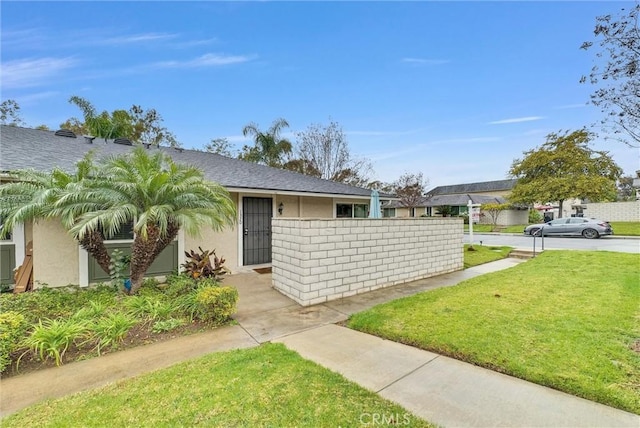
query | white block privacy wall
[614, 211]
[317, 260]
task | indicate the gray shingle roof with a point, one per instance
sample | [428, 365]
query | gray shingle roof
[42, 150]
[485, 186]
[453, 200]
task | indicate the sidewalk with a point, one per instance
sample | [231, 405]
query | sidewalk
[445, 391]
[442, 390]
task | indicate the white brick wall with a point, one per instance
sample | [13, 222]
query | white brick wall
[508, 218]
[614, 211]
[315, 261]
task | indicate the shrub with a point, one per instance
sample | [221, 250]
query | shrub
[154, 307]
[534, 217]
[166, 325]
[52, 338]
[55, 303]
[12, 330]
[118, 268]
[187, 305]
[111, 329]
[198, 265]
[93, 309]
[216, 304]
[180, 285]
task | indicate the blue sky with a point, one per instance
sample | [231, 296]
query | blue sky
[455, 90]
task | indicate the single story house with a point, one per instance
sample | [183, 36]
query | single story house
[457, 196]
[260, 193]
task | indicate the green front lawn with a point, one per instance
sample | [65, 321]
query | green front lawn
[566, 319]
[626, 228]
[264, 386]
[480, 228]
[623, 228]
[483, 254]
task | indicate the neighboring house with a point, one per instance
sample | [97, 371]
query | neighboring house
[260, 193]
[456, 197]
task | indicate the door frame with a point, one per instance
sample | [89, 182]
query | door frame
[241, 196]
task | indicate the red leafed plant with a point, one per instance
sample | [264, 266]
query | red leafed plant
[199, 265]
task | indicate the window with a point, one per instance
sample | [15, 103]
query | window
[125, 233]
[352, 210]
[428, 211]
[389, 212]
[8, 237]
[412, 212]
[577, 220]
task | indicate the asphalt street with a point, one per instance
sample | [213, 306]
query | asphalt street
[606, 243]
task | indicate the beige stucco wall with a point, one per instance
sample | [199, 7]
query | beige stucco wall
[28, 233]
[314, 207]
[55, 255]
[291, 206]
[224, 242]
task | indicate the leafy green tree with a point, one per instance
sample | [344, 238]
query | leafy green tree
[10, 113]
[137, 124]
[157, 195]
[31, 196]
[117, 124]
[493, 210]
[269, 147]
[221, 146]
[564, 167]
[147, 128]
[618, 79]
[626, 191]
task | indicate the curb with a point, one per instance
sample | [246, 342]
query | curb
[520, 234]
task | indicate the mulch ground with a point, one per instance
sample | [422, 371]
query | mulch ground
[139, 335]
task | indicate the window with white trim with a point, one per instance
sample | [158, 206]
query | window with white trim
[352, 210]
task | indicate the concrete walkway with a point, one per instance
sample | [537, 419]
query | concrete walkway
[439, 389]
[445, 391]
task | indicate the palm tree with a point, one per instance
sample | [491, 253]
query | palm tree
[159, 196]
[31, 196]
[270, 148]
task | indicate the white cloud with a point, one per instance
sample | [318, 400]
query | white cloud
[136, 38]
[516, 120]
[32, 72]
[192, 43]
[568, 106]
[425, 61]
[206, 60]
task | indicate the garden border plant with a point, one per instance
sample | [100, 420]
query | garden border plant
[98, 319]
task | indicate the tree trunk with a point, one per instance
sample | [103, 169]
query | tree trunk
[94, 244]
[560, 208]
[145, 251]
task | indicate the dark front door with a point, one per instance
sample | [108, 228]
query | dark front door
[256, 224]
